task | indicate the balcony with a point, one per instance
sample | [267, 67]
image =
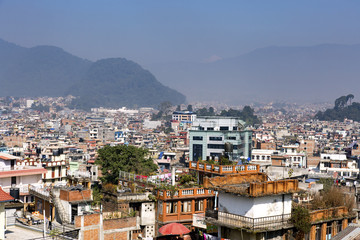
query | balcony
[40, 191]
[252, 224]
[23, 189]
[184, 193]
[224, 169]
[78, 174]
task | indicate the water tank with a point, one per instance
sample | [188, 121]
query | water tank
[229, 147]
[15, 193]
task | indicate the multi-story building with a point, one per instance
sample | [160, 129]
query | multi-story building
[210, 135]
[293, 157]
[250, 207]
[339, 165]
[181, 205]
[18, 177]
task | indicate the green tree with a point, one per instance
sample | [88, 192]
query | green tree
[301, 219]
[112, 160]
[189, 108]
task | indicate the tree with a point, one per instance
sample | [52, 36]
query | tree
[301, 219]
[189, 108]
[112, 160]
[165, 107]
[211, 111]
[349, 98]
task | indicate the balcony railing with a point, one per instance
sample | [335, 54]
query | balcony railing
[40, 191]
[24, 189]
[254, 224]
[185, 193]
[78, 174]
[223, 169]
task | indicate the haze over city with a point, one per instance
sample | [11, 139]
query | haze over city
[194, 46]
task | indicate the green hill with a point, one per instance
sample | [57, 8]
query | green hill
[343, 109]
[50, 71]
[118, 82]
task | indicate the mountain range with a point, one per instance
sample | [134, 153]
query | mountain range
[297, 74]
[50, 71]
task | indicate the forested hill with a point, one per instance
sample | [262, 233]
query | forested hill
[50, 71]
[343, 108]
[112, 81]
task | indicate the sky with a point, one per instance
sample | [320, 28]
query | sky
[161, 31]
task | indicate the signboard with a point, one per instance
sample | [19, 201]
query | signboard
[199, 220]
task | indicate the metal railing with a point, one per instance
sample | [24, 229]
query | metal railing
[254, 224]
[152, 180]
[78, 174]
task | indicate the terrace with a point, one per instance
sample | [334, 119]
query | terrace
[184, 193]
[253, 224]
[223, 169]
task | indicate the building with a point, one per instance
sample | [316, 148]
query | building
[210, 135]
[181, 205]
[338, 165]
[4, 198]
[250, 206]
[14, 175]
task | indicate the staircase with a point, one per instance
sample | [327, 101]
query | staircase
[64, 217]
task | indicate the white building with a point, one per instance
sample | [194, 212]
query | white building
[19, 177]
[339, 165]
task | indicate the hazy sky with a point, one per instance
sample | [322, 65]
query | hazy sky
[154, 31]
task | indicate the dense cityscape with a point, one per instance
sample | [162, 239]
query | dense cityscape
[270, 171]
[179, 120]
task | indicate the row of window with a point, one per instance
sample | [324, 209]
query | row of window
[222, 128]
[200, 138]
[258, 157]
[186, 206]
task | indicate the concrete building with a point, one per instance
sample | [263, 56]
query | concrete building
[13, 175]
[210, 135]
[4, 198]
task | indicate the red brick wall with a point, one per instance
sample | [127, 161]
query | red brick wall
[116, 236]
[89, 220]
[119, 223]
[75, 195]
[92, 234]
[93, 221]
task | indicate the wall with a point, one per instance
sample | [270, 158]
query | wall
[255, 207]
[94, 227]
[147, 213]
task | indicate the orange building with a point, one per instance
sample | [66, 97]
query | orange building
[180, 205]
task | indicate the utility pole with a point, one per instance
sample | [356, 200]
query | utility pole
[44, 223]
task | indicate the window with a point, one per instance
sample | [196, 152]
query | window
[252, 157]
[268, 157]
[186, 206]
[215, 138]
[13, 180]
[216, 146]
[210, 129]
[199, 205]
[197, 138]
[171, 207]
[232, 138]
[224, 128]
[235, 128]
[210, 203]
[197, 151]
[262, 157]
[338, 226]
